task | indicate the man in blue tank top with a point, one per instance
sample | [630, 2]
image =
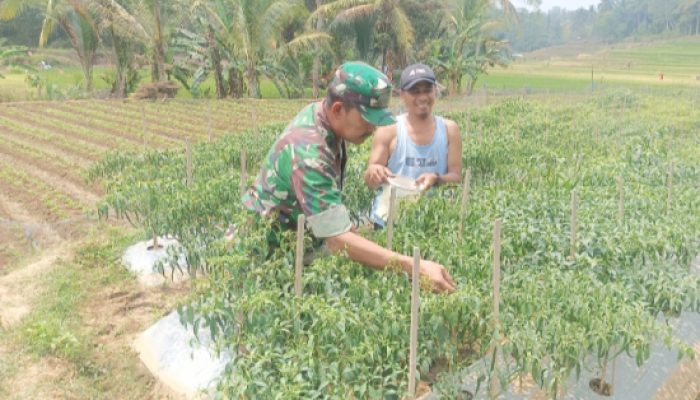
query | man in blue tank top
[419, 145]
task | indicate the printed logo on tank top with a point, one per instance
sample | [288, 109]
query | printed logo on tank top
[421, 162]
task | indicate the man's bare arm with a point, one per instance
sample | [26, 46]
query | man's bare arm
[372, 255]
[377, 172]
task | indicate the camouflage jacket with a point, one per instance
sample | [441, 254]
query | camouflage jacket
[302, 172]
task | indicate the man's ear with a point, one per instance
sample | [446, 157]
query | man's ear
[336, 107]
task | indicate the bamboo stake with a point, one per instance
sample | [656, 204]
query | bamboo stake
[466, 188]
[621, 207]
[299, 262]
[669, 183]
[573, 224]
[415, 304]
[244, 172]
[254, 118]
[390, 221]
[143, 126]
[209, 120]
[188, 156]
[496, 281]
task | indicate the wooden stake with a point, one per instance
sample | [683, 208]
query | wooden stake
[496, 270]
[299, 262]
[573, 224]
[188, 156]
[244, 172]
[466, 187]
[496, 281]
[209, 119]
[390, 221]
[669, 183]
[621, 207]
[143, 126]
[254, 118]
[415, 304]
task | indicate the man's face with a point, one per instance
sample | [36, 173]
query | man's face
[419, 99]
[354, 128]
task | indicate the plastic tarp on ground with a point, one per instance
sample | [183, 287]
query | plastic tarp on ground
[142, 262]
[661, 377]
[187, 364]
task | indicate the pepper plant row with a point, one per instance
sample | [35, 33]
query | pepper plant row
[347, 336]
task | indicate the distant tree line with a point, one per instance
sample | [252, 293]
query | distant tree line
[610, 21]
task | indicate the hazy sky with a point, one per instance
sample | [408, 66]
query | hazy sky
[567, 4]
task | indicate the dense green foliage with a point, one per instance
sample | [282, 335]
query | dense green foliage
[349, 331]
[611, 21]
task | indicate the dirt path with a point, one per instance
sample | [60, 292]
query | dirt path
[21, 233]
[19, 288]
[113, 311]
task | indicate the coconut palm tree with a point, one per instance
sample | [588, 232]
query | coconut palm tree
[143, 21]
[246, 31]
[392, 29]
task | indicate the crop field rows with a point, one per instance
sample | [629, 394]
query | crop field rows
[46, 147]
[598, 202]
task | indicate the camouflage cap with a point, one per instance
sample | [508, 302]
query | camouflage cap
[365, 87]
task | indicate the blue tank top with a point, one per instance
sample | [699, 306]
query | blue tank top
[412, 160]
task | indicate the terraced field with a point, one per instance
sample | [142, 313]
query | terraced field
[45, 148]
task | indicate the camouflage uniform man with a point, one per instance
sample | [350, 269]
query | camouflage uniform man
[303, 172]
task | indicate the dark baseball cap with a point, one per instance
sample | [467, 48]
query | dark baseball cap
[367, 88]
[415, 73]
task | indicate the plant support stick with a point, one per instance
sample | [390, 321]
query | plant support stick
[669, 183]
[299, 262]
[244, 172]
[415, 304]
[496, 281]
[573, 224]
[621, 191]
[465, 200]
[390, 222]
[188, 156]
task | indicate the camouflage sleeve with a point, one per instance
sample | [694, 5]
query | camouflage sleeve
[313, 179]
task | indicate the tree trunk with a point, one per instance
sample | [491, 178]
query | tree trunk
[85, 50]
[159, 73]
[235, 83]
[122, 59]
[252, 80]
[216, 64]
[315, 73]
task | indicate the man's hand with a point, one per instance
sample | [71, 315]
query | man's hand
[427, 180]
[376, 174]
[438, 275]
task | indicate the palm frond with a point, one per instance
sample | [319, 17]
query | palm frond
[278, 14]
[47, 24]
[403, 32]
[354, 13]
[308, 42]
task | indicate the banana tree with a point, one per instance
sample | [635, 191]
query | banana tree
[468, 47]
[10, 54]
